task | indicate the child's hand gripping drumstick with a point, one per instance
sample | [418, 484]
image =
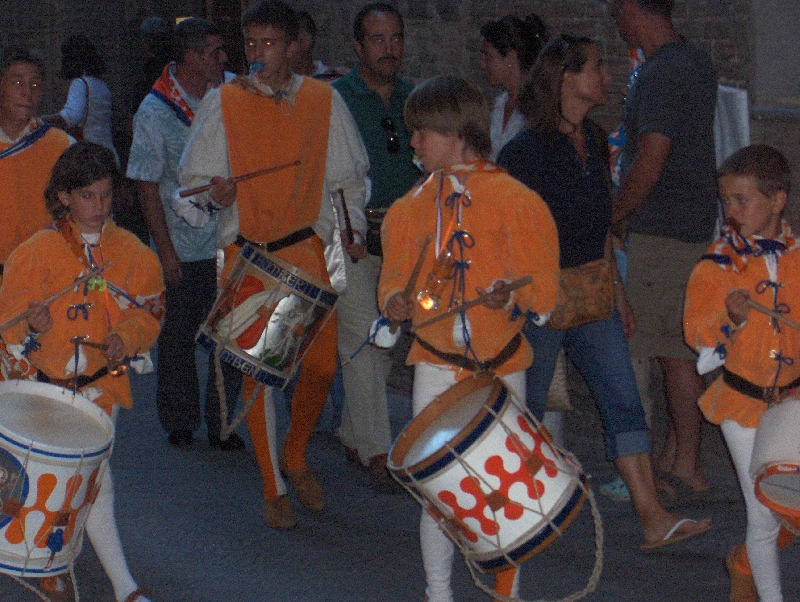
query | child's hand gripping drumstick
[408, 292]
[481, 299]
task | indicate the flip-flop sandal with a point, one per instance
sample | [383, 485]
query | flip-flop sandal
[673, 536]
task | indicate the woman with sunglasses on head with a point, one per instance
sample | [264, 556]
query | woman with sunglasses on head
[563, 156]
[508, 50]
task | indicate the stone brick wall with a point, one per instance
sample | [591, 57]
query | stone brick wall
[441, 36]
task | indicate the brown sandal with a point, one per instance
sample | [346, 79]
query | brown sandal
[139, 591]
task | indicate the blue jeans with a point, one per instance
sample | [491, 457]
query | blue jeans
[600, 351]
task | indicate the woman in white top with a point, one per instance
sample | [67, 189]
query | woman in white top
[509, 49]
[87, 111]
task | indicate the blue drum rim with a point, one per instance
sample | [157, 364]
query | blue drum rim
[425, 468]
[270, 265]
[258, 371]
[11, 569]
[40, 451]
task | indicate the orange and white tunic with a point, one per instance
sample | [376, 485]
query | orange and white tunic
[24, 175]
[509, 234]
[761, 351]
[127, 300]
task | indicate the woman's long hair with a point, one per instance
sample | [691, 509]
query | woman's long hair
[79, 56]
[526, 37]
[540, 98]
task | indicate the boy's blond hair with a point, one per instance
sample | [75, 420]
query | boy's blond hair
[764, 163]
[451, 105]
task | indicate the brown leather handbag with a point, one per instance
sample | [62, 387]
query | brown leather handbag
[585, 294]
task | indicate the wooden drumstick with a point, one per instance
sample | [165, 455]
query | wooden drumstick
[245, 176]
[772, 314]
[408, 292]
[348, 226]
[22, 316]
[115, 368]
[476, 301]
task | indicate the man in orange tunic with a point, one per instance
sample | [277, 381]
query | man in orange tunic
[274, 117]
[28, 150]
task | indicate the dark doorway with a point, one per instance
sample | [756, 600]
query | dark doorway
[228, 15]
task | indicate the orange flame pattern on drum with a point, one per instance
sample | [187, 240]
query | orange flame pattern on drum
[495, 466]
[45, 485]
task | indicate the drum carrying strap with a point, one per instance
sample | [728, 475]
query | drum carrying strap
[281, 243]
[475, 366]
[745, 387]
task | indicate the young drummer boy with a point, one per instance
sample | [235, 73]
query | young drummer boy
[120, 309]
[497, 231]
[755, 258]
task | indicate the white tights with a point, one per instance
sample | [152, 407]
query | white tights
[101, 528]
[437, 550]
[762, 526]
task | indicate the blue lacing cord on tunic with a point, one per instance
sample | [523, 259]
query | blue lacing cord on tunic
[782, 360]
[781, 308]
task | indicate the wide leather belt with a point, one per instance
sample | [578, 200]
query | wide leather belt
[281, 243]
[461, 361]
[69, 383]
[745, 387]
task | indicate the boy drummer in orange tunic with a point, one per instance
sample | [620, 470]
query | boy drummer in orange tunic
[498, 231]
[756, 257]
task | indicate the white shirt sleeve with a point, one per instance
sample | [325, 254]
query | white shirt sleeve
[346, 167]
[206, 156]
[74, 111]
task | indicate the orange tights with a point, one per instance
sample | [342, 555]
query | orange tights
[310, 394]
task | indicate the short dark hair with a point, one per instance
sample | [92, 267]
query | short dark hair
[375, 7]
[764, 163]
[273, 13]
[192, 34]
[305, 22]
[540, 97]
[662, 8]
[17, 54]
[79, 56]
[448, 104]
[81, 165]
[526, 37]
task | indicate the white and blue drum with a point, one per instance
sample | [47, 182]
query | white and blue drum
[490, 476]
[52, 447]
[267, 316]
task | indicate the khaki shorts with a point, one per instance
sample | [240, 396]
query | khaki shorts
[658, 271]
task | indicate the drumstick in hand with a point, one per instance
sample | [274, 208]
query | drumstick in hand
[476, 301]
[347, 225]
[245, 176]
[22, 316]
[412, 280]
[772, 314]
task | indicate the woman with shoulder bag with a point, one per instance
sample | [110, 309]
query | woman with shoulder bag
[563, 156]
[87, 112]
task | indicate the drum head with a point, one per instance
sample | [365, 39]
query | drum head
[450, 421]
[779, 489]
[51, 417]
[447, 425]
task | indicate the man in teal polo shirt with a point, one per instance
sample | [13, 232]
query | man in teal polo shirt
[375, 96]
